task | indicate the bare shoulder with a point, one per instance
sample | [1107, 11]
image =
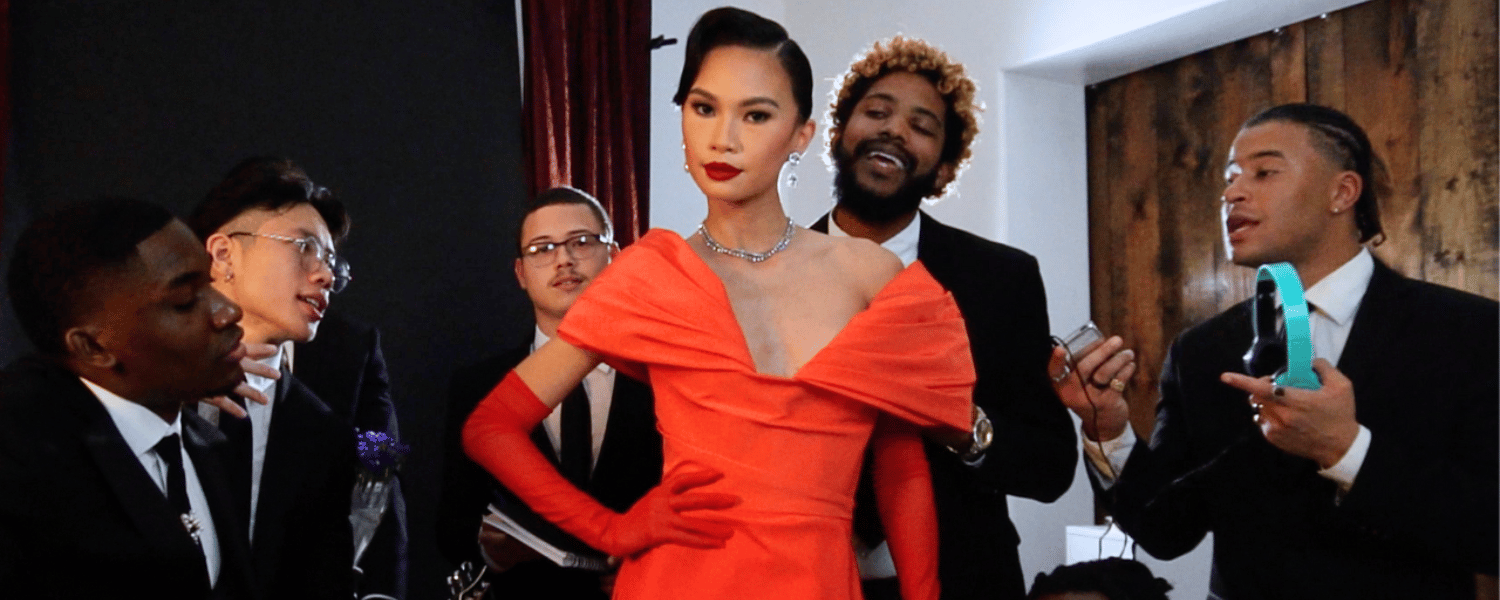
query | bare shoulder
[868, 265]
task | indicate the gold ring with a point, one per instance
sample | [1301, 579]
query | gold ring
[1117, 385]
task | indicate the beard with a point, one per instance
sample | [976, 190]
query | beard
[867, 205]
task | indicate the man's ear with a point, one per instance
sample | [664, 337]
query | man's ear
[1347, 188]
[946, 172]
[83, 347]
[220, 251]
[521, 274]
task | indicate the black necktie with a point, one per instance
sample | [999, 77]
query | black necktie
[577, 438]
[170, 450]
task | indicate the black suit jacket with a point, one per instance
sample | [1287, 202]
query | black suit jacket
[1420, 518]
[999, 291]
[629, 465]
[303, 545]
[80, 517]
[345, 367]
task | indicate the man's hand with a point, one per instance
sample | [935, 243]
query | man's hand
[501, 552]
[253, 353]
[1319, 424]
[607, 578]
[1095, 388]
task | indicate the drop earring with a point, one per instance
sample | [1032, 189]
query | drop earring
[791, 178]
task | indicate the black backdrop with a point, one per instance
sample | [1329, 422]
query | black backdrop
[409, 110]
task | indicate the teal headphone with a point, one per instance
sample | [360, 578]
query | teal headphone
[1298, 371]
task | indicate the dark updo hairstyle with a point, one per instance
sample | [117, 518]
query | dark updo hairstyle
[1115, 578]
[730, 26]
[1340, 140]
[55, 270]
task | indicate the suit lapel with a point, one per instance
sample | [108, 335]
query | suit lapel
[935, 250]
[285, 448]
[1378, 324]
[544, 443]
[631, 399]
[208, 450]
[137, 493]
[1378, 316]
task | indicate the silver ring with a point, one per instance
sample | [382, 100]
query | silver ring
[1060, 376]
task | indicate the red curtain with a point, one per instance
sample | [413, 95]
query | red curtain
[586, 106]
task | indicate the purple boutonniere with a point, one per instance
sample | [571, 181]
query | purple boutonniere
[380, 457]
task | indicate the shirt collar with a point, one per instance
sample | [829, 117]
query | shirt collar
[541, 339]
[1338, 295]
[903, 244]
[141, 428]
[273, 361]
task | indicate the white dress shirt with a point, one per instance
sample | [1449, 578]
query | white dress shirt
[260, 427]
[1333, 302]
[599, 386]
[142, 431]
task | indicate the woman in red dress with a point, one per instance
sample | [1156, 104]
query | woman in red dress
[776, 355]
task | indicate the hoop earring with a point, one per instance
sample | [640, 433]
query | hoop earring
[791, 178]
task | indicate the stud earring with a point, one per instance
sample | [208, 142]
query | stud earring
[685, 168]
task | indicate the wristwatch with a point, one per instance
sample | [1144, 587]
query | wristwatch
[981, 435]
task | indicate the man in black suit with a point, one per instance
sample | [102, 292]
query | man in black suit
[901, 129]
[108, 488]
[271, 234]
[345, 366]
[1381, 484]
[564, 243]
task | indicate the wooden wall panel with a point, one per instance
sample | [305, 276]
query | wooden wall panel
[1422, 77]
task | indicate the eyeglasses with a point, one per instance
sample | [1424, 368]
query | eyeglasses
[314, 255]
[580, 247]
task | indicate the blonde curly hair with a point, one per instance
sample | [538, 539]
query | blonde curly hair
[915, 56]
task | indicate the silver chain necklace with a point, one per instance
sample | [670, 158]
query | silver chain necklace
[755, 257]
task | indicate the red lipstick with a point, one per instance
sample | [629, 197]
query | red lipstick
[718, 171]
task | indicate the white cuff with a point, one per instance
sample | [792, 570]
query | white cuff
[1344, 471]
[1107, 457]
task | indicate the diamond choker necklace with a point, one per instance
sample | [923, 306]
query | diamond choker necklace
[755, 257]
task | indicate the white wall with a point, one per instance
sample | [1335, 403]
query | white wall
[1027, 184]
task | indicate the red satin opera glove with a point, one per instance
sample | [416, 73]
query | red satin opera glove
[496, 437]
[903, 496]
